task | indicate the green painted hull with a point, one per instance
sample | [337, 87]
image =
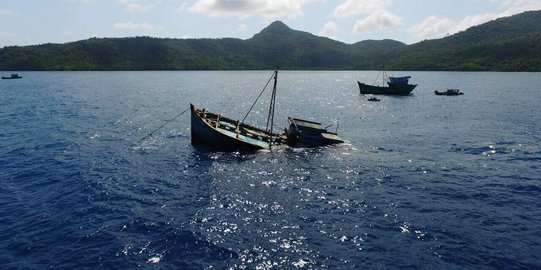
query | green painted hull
[225, 134]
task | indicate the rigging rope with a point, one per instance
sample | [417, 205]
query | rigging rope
[257, 98]
[375, 82]
[167, 122]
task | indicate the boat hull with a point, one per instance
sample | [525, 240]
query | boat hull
[224, 134]
[398, 90]
[303, 133]
[447, 94]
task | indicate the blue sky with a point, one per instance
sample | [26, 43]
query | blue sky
[29, 22]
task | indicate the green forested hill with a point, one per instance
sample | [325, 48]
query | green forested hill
[506, 44]
[275, 45]
[279, 45]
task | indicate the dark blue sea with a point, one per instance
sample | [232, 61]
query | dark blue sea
[423, 182]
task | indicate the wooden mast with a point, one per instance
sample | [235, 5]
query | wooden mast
[270, 118]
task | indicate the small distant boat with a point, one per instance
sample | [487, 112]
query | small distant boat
[395, 86]
[373, 99]
[303, 133]
[449, 92]
[13, 76]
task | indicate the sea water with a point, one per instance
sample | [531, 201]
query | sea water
[423, 181]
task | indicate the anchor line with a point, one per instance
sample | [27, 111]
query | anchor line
[167, 122]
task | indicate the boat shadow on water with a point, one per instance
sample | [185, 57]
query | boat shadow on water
[210, 154]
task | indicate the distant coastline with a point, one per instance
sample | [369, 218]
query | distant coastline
[505, 44]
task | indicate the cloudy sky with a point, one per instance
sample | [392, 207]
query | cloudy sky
[29, 22]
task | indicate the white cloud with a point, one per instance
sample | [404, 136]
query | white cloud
[435, 27]
[377, 20]
[376, 14]
[242, 27]
[80, 1]
[245, 8]
[181, 8]
[7, 34]
[513, 7]
[329, 29]
[5, 12]
[357, 7]
[137, 5]
[133, 26]
[474, 20]
[432, 27]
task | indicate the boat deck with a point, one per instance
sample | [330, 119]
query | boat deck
[238, 132]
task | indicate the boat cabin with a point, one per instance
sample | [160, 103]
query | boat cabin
[304, 133]
[399, 80]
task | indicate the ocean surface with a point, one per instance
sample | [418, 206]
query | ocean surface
[423, 182]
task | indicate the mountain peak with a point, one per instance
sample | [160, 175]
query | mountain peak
[275, 30]
[276, 27]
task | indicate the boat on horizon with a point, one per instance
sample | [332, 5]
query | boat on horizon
[13, 76]
[395, 86]
[449, 92]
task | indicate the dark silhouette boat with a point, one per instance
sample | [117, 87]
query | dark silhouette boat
[13, 76]
[373, 99]
[449, 92]
[395, 86]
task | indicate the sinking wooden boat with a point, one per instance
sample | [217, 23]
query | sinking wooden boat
[448, 92]
[13, 76]
[225, 134]
[304, 133]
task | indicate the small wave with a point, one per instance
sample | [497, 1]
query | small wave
[178, 135]
[485, 150]
[154, 259]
